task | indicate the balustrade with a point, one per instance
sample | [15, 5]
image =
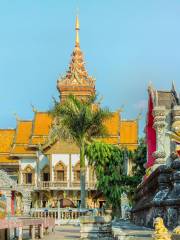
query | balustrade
[58, 184]
[63, 215]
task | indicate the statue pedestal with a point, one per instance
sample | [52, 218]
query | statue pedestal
[96, 227]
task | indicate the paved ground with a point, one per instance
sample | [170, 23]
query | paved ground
[64, 233]
[61, 233]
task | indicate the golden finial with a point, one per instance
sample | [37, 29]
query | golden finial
[77, 30]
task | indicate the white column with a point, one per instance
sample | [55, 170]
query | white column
[20, 233]
[159, 113]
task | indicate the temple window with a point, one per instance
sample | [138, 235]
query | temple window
[77, 172]
[28, 175]
[28, 178]
[60, 172]
[60, 175]
[45, 174]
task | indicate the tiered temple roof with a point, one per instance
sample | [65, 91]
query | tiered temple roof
[40, 130]
[21, 139]
[6, 140]
[164, 98]
[30, 135]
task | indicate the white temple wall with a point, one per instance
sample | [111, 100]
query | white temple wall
[25, 162]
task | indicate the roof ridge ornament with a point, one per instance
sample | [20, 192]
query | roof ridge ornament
[33, 108]
[17, 117]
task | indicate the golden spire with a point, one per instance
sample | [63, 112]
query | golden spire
[77, 31]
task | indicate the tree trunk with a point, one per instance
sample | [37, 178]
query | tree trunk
[83, 176]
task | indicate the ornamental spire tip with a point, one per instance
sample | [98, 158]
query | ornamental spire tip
[77, 28]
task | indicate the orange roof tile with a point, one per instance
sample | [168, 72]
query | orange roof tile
[128, 132]
[42, 123]
[23, 132]
[6, 139]
[5, 159]
[36, 140]
[21, 149]
[109, 140]
[112, 124]
[131, 147]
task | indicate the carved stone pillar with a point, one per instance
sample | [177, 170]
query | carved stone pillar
[175, 123]
[27, 202]
[159, 113]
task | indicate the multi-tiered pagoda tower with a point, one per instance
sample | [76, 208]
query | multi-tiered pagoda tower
[76, 81]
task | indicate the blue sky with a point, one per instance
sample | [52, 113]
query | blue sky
[126, 43]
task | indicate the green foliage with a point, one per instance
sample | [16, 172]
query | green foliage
[76, 120]
[139, 158]
[108, 162]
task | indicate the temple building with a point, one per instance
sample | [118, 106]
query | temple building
[52, 172]
[159, 194]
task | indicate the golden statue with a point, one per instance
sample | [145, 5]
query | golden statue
[177, 230]
[19, 206]
[161, 232]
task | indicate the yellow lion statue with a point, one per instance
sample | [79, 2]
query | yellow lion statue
[161, 232]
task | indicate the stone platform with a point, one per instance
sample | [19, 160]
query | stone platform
[159, 196]
[125, 230]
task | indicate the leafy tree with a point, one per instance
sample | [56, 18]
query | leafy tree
[139, 158]
[108, 162]
[78, 121]
[112, 179]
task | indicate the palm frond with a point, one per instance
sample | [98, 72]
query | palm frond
[76, 119]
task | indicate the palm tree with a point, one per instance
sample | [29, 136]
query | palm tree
[78, 121]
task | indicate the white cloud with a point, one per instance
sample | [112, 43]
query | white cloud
[141, 105]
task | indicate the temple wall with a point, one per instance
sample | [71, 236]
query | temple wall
[75, 158]
[25, 162]
[43, 161]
